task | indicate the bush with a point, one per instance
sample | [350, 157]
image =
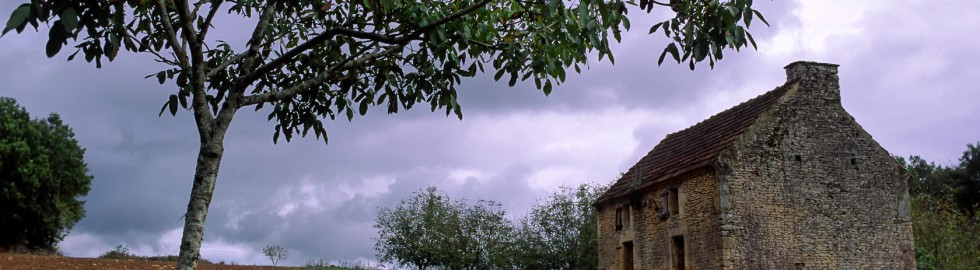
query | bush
[945, 237]
[43, 178]
[121, 252]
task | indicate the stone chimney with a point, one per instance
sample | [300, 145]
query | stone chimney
[819, 78]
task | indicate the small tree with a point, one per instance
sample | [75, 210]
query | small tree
[42, 179]
[561, 233]
[428, 230]
[411, 233]
[275, 253]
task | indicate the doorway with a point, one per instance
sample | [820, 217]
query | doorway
[677, 248]
[628, 256]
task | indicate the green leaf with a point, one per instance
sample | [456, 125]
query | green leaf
[655, 27]
[56, 39]
[162, 77]
[547, 87]
[69, 18]
[500, 73]
[700, 51]
[552, 5]
[733, 10]
[747, 17]
[53, 47]
[364, 106]
[183, 102]
[173, 105]
[751, 40]
[673, 52]
[72, 56]
[761, 18]
[18, 17]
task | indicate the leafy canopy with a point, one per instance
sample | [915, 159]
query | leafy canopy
[562, 231]
[946, 210]
[314, 59]
[42, 177]
[428, 230]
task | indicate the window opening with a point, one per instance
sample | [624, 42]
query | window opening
[619, 219]
[673, 202]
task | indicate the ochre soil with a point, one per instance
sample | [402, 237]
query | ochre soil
[9, 261]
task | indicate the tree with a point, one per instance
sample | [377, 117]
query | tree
[967, 180]
[412, 232]
[562, 233]
[428, 230]
[275, 253]
[961, 183]
[945, 222]
[309, 60]
[482, 237]
[42, 179]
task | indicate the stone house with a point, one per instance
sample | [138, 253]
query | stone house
[786, 180]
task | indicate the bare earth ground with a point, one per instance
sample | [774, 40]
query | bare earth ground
[10, 261]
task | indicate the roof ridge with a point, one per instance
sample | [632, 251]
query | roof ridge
[693, 147]
[731, 108]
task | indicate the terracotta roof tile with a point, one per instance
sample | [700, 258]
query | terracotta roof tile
[694, 147]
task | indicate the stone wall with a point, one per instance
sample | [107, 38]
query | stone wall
[697, 222]
[807, 188]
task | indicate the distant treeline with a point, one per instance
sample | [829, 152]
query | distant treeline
[431, 231]
[946, 211]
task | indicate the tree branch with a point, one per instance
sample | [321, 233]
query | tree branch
[309, 44]
[451, 17]
[172, 36]
[215, 4]
[183, 10]
[308, 84]
[128, 33]
[328, 34]
[232, 103]
[251, 55]
[255, 41]
[225, 64]
[201, 108]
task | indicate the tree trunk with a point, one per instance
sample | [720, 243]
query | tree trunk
[205, 177]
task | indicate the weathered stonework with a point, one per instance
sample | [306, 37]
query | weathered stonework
[696, 221]
[800, 186]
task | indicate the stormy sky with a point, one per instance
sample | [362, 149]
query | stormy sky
[908, 73]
